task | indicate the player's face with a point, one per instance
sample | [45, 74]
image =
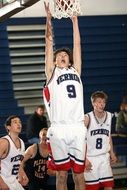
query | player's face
[16, 125]
[99, 104]
[62, 59]
[43, 136]
[40, 111]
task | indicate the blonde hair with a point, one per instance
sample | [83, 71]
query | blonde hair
[43, 130]
[99, 94]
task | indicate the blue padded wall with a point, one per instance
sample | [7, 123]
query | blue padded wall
[104, 54]
[8, 105]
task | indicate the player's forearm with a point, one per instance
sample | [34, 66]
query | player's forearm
[48, 33]
[111, 146]
[76, 45]
[48, 49]
[76, 32]
[22, 165]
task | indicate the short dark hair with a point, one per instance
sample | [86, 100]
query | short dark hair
[8, 121]
[99, 94]
[41, 106]
[67, 50]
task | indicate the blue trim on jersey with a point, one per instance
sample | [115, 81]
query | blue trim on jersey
[98, 180]
[103, 178]
[62, 160]
[92, 181]
[82, 161]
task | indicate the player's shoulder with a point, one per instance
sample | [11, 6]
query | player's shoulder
[4, 140]
[4, 146]
[110, 114]
[32, 150]
[87, 119]
[88, 115]
[22, 142]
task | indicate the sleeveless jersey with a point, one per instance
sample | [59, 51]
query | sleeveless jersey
[10, 164]
[98, 135]
[63, 97]
[36, 169]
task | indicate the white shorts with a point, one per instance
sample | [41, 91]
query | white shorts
[101, 174]
[68, 146]
[13, 183]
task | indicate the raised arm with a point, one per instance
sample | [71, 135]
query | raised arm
[76, 45]
[49, 65]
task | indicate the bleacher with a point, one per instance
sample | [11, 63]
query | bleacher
[27, 53]
[8, 103]
[21, 68]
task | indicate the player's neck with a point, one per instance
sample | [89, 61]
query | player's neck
[99, 114]
[13, 136]
[43, 149]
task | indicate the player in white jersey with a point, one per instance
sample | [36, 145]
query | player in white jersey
[99, 144]
[63, 95]
[11, 153]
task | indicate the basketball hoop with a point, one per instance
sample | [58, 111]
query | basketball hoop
[66, 8]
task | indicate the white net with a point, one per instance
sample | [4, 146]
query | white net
[66, 8]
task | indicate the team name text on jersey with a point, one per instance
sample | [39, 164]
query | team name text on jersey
[67, 76]
[17, 158]
[100, 131]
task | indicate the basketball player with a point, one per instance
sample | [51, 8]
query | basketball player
[35, 163]
[99, 144]
[11, 153]
[63, 96]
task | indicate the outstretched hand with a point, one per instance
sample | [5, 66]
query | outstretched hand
[48, 23]
[47, 9]
[74, 17]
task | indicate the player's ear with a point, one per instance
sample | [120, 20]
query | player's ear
[8, 127]
[56, 64]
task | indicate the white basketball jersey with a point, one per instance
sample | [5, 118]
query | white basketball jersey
[10, 164]
[63, 97]
[98, 135]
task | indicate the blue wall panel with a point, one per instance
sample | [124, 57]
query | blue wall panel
[8, 104]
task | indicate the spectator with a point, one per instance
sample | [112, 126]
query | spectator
[99, 144]
[11, 153]
[121, 120]
[35, 123]
[35, 163]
